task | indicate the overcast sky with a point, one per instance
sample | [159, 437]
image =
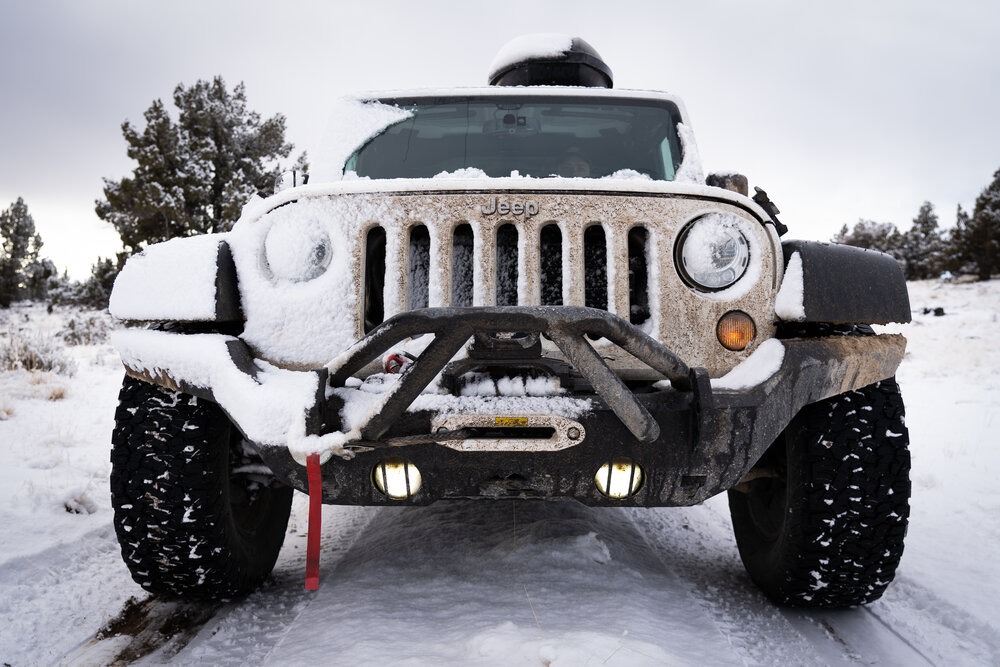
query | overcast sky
[841, 111]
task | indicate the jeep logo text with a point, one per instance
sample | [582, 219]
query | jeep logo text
[495, 206]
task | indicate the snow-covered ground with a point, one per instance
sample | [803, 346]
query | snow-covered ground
[504, 583]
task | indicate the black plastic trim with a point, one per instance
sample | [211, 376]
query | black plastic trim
[847, 285]
[227, 291]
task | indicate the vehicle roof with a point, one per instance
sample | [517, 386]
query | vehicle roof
[524, 91]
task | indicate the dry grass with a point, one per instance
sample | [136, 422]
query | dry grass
[27, 350]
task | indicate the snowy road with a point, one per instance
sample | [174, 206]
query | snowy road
[523, 583]
[513, 582]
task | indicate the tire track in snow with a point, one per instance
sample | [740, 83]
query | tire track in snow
[246, 633]
[855, 637]
[153, 631]
[146, 630]
[908, 625]
[80, 582]
[697, 545]
[936, 627]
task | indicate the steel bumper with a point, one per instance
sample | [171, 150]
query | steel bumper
[692, 437]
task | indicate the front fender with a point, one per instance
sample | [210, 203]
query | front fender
[188, 279]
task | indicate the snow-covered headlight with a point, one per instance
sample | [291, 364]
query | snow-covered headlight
[297, 250]
[712, 253]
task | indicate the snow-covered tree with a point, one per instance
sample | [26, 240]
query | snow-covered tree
[922, 247]
[193, 174]
[882, 236]
[977, 239]
[19, 246]
[38, 277]
[95, 292]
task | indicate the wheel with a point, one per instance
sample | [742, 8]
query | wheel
[196, 513]
[821, 518]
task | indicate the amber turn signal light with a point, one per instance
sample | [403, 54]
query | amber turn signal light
[735, 330]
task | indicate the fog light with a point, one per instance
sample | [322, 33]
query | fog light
[396, 478]
[619, 479]
[735, 330]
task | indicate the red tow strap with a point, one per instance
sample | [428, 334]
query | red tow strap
[315, 521]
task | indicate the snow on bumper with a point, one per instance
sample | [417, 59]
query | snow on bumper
[269, 404]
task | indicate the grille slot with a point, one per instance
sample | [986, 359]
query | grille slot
[374, 273]
[551, 265]
[462, 267]
[595, 267]
[638, 275]
[420, 265]
[507, 265]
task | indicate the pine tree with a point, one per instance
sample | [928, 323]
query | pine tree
[37, 277]
[95, 292]
[881, 236]
[19, 246]
[922, 247]
[193, 175]
[980, 239]
[956, 259]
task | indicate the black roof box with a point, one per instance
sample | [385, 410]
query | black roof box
[549, 60]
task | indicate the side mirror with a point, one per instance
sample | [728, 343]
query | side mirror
[290, 179]
[732, 182]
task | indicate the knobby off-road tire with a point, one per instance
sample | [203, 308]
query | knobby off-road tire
[821, 520]
[195, 517]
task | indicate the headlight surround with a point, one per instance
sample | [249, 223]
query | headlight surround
[297, 250]
[712, 253]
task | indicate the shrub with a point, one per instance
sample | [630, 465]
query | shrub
[86, 329]
[33, 351]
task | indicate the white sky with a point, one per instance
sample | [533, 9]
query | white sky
[848, 110]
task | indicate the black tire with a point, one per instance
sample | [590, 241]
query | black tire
[190, 522]
[821, 520]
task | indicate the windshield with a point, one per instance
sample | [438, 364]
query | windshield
[528, 136]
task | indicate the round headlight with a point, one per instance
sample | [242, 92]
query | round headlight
[713, 253]
[297, 250]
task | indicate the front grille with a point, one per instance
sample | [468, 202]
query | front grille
[396, 252]
[551, 263]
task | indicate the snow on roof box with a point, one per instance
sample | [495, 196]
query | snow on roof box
[549, 59]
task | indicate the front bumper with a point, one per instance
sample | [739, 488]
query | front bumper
[692, 436]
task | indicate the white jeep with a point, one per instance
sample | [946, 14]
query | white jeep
[526, 290]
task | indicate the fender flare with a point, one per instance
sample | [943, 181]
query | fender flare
[186, 279]
[841, 284]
